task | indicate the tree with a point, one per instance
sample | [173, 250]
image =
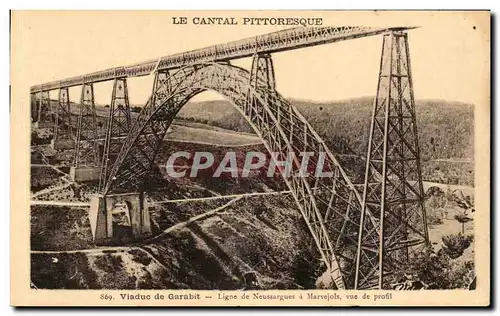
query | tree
[455, 245]
[446, 269]
[467, 204]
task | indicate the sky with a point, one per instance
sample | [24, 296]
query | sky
[449, 51]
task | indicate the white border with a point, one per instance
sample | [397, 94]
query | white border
[183, 5]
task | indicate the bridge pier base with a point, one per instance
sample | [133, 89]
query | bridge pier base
[84, 174]
[62, 144]
[102, 211]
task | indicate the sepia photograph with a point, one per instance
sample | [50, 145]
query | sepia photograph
[251, 157]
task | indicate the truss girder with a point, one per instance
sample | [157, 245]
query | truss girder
[288, 39]
[393, 180]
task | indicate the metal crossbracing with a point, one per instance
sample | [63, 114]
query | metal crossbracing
[118, 126]
[63, 130]
[393, 188]
[362, 235]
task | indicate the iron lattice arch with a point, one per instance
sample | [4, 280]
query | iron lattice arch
[393, 189]
[331, 206]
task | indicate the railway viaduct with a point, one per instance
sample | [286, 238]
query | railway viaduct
[362, 235]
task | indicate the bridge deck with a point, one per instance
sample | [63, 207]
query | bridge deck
[288, 39]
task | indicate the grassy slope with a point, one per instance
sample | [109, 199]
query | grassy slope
[245, 237]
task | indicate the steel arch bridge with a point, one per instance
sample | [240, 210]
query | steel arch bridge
[362, 237]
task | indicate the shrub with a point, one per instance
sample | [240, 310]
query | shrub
[455, 245]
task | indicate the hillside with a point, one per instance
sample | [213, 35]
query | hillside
[246, 236]
[446, 130]
[219, 238]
